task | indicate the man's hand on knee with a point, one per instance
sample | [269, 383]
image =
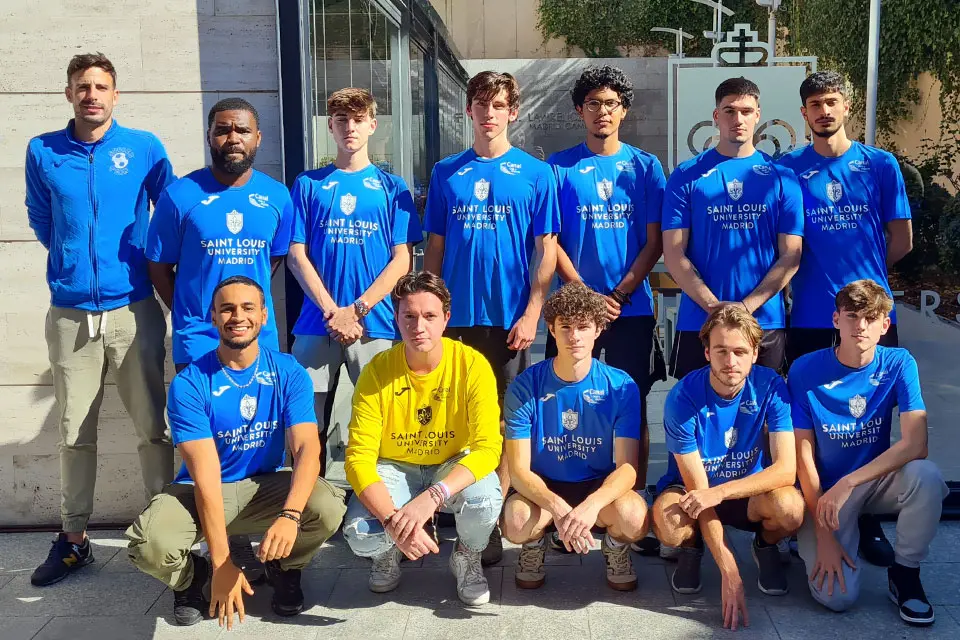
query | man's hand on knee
[694, 502]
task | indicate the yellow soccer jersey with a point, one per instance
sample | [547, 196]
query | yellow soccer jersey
[424, 419]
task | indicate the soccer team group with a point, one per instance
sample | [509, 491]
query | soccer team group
[448, 413]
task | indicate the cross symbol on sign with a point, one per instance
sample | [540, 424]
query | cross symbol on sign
[742, 39]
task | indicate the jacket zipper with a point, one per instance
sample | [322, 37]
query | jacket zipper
[93, 234]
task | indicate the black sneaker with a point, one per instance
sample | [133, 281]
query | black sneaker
[772, 579]
[493, 553]
[874, 546]
[245, 559]
[287, 594]
[64, 558]
[648, 546]
[907, 593]
[555, 543]
[190, 604]
[686, 578]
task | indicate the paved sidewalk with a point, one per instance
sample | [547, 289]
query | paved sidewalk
[110, 600]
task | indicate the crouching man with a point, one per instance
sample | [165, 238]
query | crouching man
[714, 421]
[232, 414]
[573, 438]
[425, 435]
[843, 400]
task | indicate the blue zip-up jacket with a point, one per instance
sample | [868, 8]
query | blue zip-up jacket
[88, 204]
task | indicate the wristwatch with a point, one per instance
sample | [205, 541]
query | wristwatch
[361, 308]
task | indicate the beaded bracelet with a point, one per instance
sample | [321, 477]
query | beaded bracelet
[289, 516]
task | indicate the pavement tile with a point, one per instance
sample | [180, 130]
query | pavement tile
[21, 553]
[427, 588]
[536, 622]
[23, 628]
[953, 611]
[82, 594]
[4, 580]
[680, 622]
[861, 622]
[571, 588]
[122, 628]
[369, 624]
[454, 624]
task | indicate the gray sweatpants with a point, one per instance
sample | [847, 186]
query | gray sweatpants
[915, 493]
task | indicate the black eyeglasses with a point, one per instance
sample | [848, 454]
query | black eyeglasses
[594, 105]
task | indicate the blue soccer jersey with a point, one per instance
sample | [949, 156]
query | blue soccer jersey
[572, 425]
[606, 203]
[350, 222]
[727, 433]
[735, 209]
[248, 425]
[490, 211]
[850, 411]
[211, 232]
[847, 204]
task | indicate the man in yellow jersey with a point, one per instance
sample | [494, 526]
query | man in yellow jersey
[425, 434]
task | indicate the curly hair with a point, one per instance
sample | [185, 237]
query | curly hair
[576, 301]
[608, 77]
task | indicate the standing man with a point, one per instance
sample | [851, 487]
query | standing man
[354, 227]
[234, 412]
[843, 400]
[732, 231]
[424, 435]
[223, 220]
[492, 218]
[89, 187]
[573, 430]
[716, 421]
[611, 196]
[857, 226]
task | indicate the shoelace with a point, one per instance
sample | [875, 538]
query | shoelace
[619, 560]
[386, 563]
[474, 573]
[531, 559]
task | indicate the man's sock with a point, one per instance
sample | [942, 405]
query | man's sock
[536, 543]
[613, 544]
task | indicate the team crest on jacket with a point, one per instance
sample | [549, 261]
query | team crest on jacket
[730, 437]
[424, 415]
[120, 157]
[858, 406]
[248, 407]
[481, 189]
[234, 222]
[604, 189]
[348, 203]
[834, 190]
[735, 189]
[569, 419]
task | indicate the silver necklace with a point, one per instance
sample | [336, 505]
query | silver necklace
[234, 382]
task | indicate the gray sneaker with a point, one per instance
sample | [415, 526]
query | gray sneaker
[472, 585]
[686, 578]
[493, 553]
[620, 573]
[385, 573]
[772, 578]
[530, 573]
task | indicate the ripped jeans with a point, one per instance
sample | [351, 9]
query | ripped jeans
[476, 508]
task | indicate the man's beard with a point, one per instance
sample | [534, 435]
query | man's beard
[104, 116]
[241, 343]
[828, 132]
[232, 167]
[600, 136]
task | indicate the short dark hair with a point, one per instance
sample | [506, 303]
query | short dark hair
[737, 87]
[420, 282]
[233, 104]
[250, 282]
[84, 61]
[594, 78]
[487, 84]
[866, 297]
[822, 82]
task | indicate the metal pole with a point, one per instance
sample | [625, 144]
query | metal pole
[772, 36]
[873, 53]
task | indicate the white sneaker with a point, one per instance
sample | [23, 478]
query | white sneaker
[472, 586]
[385, 573]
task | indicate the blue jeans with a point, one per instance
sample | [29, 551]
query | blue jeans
[476, 508]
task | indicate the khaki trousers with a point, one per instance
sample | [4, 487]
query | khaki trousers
[161, 537]
[81, 346]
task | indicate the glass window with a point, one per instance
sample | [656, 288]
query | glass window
[418, 139]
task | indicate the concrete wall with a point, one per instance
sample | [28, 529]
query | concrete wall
[175, 59]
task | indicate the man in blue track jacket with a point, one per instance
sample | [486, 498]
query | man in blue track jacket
[88, 192]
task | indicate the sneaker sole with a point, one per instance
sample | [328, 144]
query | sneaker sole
[529, 584]
[286, 613]
[623, 586]
[387, 588]
[919, 622]
[769, 592]
[475, 602]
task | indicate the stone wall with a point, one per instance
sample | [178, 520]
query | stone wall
[175, 59]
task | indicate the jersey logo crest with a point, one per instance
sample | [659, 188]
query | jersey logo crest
[858, 406]
[510, 168]
[831, 385]
[809, 174]
[749, 407]
[735, 189]
[707, 174]
[267, 378]
[834, 190]
[329, 185]
[219, 392]
[424, 415]
[234, 222]
[859, 166]
[248, 407]
[209, 200]
[625, 165]
[879, 378]
[440, 393]
[120, 157]
[730, 437]
[464, 171]
[594, 396]
[348, 203]
[481, 189]
[570, 419]
[762, 169]
[604, 189]
[372, 183]
[547, 397]
[587, 170]
[258, 200]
